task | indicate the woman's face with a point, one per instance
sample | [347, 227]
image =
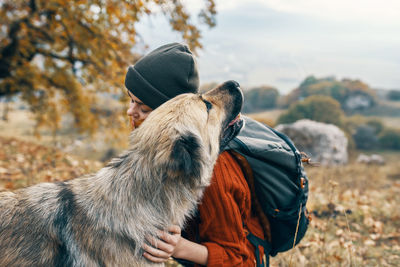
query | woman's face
[137, 111]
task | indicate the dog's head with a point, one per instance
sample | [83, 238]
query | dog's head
[186, 133]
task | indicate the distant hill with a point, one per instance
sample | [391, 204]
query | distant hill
[260, 98]
[353, 95]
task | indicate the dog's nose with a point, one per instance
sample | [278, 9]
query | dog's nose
[232, 84]
[233, 87]
[237, 95]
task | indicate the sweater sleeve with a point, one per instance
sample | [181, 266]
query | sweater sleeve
[222, 212]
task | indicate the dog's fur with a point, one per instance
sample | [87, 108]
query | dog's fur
[103, 219]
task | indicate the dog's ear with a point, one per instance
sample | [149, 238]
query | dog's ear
[186, 155]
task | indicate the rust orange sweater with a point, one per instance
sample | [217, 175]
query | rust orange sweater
[225, 217]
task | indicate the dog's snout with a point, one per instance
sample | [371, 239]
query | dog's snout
[230, 91]
[232, 84]
[233, 88]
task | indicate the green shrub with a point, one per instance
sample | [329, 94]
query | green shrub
[351, 123]
[262, 98]
[394, 95]
[377, 124]
[365, 137]
[318, 108]
[390, 139]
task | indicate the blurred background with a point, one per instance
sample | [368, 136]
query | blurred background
[326, 73]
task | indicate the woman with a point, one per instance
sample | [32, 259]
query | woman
[217, 236]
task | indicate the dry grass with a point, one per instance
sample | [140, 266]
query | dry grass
[268, 117]
[24, 163]
[356, 215]
[392, 122]
[21, 125]
[356, 218]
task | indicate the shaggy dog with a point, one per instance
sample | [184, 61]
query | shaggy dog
[103, 219]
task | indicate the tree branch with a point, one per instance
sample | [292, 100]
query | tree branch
[32, 6]
[46, 35]
[69, 58]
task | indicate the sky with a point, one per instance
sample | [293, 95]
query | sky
[280, 42]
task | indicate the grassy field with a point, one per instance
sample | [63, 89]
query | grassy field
[355, 208]
[21, 124]
[356, 218]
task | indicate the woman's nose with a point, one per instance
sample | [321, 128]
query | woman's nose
[132, 110]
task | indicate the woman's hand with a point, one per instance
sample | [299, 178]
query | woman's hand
[163, 248]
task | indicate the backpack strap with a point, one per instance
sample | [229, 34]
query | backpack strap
[292, 147]
[248, 174]
[257, 242]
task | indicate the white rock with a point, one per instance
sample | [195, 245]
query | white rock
[377, 159]
[362, 158]
[324, 143]
[374, 159]
[358, 101]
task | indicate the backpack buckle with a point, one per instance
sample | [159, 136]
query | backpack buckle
[306, 159]
[303, 182]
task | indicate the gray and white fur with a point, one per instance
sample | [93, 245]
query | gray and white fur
[103, 219]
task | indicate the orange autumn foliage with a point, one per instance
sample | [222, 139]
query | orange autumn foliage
[59, 55]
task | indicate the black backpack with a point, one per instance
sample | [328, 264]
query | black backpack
[280, 184]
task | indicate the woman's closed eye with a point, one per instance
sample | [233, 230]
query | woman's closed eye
[143, 108]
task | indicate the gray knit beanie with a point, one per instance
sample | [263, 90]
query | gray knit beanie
[165, 72]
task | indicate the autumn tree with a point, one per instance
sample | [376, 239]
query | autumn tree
[58, 54]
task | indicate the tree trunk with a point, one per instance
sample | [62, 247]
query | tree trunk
[6, 109]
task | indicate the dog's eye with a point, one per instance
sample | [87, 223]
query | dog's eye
[208, 105]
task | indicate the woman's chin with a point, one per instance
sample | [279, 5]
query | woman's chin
[135, 123]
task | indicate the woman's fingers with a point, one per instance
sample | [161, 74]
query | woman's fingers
[162, 248]
[169, 238]
[153, 259]
[155, 253]
[174, 229]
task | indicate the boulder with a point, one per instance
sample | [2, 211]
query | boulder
[323, 143]
[374, 159]
[358, 101]
[362, 158]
